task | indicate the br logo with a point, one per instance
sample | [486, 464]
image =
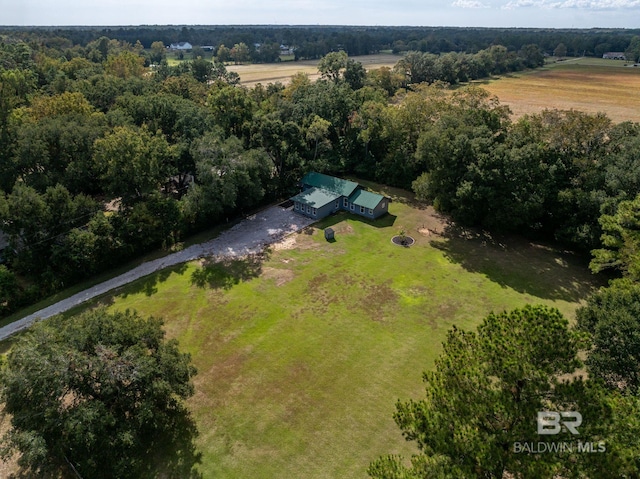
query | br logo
[551, 422]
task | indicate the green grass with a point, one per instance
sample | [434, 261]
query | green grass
[303, 352]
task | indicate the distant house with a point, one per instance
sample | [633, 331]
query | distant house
[614, 56]
[286, 50]
[181, 46]
[322, 195]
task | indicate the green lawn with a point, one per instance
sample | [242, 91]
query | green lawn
[302, 353]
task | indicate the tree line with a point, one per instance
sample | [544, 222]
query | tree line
[312, 42]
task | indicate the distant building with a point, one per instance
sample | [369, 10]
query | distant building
[322, 195]
[208, 48]
[286, 50]
[614, 56]
[181, 46]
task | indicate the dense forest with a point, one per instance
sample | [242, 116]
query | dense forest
[102, 158]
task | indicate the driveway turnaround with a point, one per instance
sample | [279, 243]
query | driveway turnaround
[249, 236]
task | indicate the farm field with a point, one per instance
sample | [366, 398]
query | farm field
[587, 84]
[303, 352]
[265, 73]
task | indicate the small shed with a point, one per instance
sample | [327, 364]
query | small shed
[329, 234]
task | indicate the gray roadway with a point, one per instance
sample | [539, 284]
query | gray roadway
[251, 235]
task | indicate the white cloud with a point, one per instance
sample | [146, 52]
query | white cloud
[469, 4]
[580, 4]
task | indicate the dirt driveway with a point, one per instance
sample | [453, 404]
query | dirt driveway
[251, 235]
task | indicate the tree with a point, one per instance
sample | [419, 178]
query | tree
[8, 289]
[620, 240]
[632, 53]
[317, 131]
[125, 65]
[133, 162]
[201, 69]
[484, 395]
[240, 53]
[354, 74]
[100, 395]
[560, 51]
[223, 54]
[158, 52]
[612, 317]
[332, 64]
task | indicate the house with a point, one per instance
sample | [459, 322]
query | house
[323, 195]
[614, 56]
[286, 50]
[181, 46]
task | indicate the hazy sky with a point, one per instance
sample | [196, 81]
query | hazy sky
[483, 13]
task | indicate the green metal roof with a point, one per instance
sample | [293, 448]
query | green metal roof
[316, 197]
[329, 183]
[366, 199]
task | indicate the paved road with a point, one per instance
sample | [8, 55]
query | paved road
[249, 236]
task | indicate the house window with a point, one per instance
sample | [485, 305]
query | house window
[370, 211]
[362, 210]
[308, 209]
[313, 211]
[345, 202]
[297, 205]
[337, 204]
[384, 204]
[353, 207]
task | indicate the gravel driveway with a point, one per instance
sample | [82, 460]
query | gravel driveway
[251, 235]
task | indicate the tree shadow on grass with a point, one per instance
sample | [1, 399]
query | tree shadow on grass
[174, 454]
[385, 221]
[149, 284]
[225, 273]
[533, 268]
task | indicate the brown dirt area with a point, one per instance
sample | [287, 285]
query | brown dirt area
[280, 276]
[251, 75]
[590, 89]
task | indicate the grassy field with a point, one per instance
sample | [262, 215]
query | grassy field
[303, 352]
[587, 84]
[266, 73]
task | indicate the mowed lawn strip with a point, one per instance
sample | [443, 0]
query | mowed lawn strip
[302, 353]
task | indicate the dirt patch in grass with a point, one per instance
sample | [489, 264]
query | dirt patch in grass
[343, 228]
[288, 243]
[280, 276]
[224, 375]
[318, 281]
[8, 467]
[377, 299]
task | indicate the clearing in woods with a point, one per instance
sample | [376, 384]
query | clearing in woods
[303, 351]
